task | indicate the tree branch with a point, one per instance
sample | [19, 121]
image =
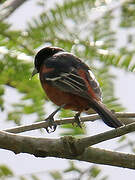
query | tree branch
[8, 7]
[125, 118]
[92, 140]
[64, 147]
[69, 147]
[101, 156]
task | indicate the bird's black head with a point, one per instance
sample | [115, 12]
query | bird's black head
[42, 55]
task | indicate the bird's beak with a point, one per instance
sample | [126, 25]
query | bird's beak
[35, 71]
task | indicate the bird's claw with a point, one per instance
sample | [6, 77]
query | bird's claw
[51, 124]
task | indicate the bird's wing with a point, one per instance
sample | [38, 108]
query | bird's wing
[69, 82]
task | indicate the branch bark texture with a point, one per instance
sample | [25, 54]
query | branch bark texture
[65, 147]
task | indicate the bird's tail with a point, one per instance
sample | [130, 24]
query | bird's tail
[107, 116]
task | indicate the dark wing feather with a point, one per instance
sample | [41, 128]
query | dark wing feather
[69, 82]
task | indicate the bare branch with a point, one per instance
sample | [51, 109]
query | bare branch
[125, 118]
[65, 147]
[8, 7]
[101, 156]
[89, 141]
[69, 147]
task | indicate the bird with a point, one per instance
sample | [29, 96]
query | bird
[70, 84]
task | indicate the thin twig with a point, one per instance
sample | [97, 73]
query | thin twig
[8, 7]
[87, 118]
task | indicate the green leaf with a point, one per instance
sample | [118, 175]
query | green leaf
[126, 62]
[22, 178]
[34, 177]
[122, 138]
[72, 167]
[69, 129]
[15, 116]
[94, 171]
[5, 171]
[66, 113]
[56, 175]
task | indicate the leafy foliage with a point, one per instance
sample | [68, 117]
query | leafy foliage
[92, 172]
[126, 61]
[5, 172]
[16, 73]
[128, 14]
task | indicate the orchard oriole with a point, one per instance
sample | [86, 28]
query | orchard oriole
[69, 83]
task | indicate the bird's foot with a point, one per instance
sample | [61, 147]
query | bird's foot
[51, 124]
[77, 119]
[50, 119]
